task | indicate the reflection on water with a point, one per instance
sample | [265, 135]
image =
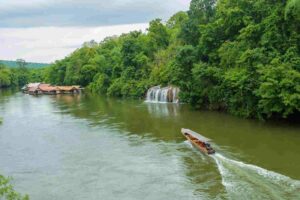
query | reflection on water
[90, 147]
[163, 109]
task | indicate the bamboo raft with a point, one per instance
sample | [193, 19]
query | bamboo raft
[199, 141]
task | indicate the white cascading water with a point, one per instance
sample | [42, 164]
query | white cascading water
[163, 95]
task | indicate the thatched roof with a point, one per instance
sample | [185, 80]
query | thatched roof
[32, 89]
[46, 88]
[33, 85]
[67, 88]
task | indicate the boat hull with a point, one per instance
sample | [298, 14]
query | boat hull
[200, 145]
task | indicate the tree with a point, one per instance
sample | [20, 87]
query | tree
[200, 12]
[5, 76]
[158, 34]
[292, 9]
[237, 56]
[7, 191]
[21, 63]
[90, 44]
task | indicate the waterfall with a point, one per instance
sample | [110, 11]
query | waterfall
[163, 95]
[175, 92]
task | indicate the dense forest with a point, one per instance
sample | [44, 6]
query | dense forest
[18, 77]
[15, 64]
[238, 56]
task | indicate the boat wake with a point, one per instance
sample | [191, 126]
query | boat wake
[246, 181]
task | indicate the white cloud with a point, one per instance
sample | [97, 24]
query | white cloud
[46, 30]
[47, 44]
[29, 13]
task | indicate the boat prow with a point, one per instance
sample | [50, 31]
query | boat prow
[199, 141]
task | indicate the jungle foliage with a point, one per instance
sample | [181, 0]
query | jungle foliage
[18, 77]
[7, 191]
[239, 56]
[30, 65]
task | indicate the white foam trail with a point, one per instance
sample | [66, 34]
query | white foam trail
[188, 143]
[248, 181]
[263, 172]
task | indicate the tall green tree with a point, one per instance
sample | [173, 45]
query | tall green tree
[237, 56]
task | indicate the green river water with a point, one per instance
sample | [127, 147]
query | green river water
[90, 147]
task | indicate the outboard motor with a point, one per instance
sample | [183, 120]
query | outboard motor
[209, 149]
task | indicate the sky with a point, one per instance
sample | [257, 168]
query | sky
[47, 30]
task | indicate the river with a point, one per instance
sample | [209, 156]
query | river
[92, 147]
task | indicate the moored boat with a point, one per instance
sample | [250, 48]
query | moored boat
[199, 141]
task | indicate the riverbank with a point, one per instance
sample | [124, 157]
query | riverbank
[249, 69]
[293, 119]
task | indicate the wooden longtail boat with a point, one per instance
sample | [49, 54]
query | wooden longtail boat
[199, 141]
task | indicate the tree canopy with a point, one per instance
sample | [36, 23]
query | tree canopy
[239, 56]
